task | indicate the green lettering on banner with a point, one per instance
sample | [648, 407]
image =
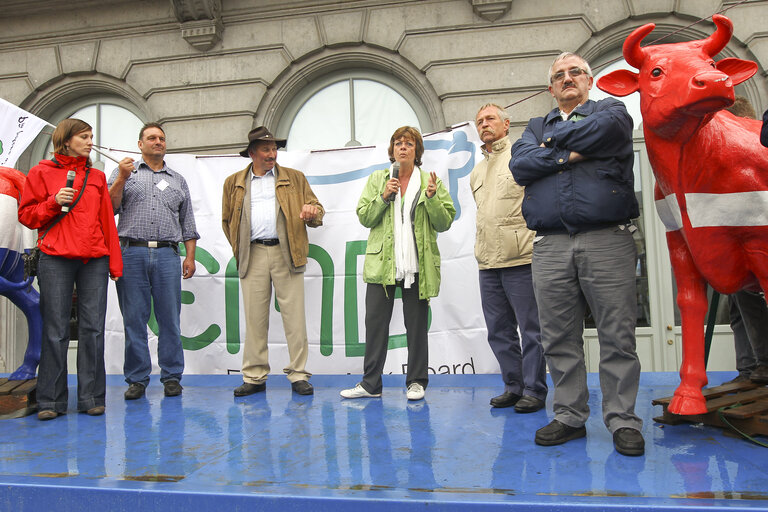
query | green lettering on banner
[232, 306]
[323, 259]
[213, 331]
[354, 347]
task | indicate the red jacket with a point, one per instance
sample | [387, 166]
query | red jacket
[88, 230]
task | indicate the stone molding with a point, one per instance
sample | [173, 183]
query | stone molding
[200, 20]
[491, 10]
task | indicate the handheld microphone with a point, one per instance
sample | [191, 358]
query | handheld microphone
[395, 174]
[70, 182]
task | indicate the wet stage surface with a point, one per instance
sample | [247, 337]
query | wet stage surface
[207, 450]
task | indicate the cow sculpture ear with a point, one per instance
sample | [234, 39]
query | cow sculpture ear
[621, 82]
[739, 70]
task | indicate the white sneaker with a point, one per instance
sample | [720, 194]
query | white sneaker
[359, 392]
[415, 391]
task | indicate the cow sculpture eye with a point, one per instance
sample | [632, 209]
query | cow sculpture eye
[656, 72]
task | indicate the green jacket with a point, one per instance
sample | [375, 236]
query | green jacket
[429, 216]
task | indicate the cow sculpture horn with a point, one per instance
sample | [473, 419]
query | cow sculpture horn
[712, 45]
[717, 41]
[632, 50]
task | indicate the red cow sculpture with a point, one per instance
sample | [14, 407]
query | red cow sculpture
[711, 180]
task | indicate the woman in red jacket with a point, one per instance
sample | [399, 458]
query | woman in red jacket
[78, 248]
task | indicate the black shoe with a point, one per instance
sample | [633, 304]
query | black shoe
[248, 389]
[628, 441]
[172, 388]
[529, 404]
[302, 387]
[558, 433]
[134, 391]
[506, 399]
[759, 375]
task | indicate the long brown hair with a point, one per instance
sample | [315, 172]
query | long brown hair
[64, 131]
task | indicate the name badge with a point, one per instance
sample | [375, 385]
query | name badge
[162, 184]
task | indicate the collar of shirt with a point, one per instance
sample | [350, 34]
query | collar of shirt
[270, 172]
[141, 162]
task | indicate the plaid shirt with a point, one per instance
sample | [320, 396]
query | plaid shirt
[156, 206]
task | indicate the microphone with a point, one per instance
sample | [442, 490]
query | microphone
[395, 174]
[70, 182]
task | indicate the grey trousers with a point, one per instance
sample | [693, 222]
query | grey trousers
[596, 268]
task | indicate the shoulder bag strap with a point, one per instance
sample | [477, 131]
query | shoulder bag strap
[61, 215]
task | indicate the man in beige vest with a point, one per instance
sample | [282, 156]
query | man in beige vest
[265, 211]
[503, 248]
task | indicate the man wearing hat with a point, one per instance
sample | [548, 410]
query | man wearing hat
[265, 211]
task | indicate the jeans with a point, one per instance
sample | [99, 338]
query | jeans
[57, 278]
[151, 276]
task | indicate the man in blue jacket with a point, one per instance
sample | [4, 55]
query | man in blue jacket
[576, 166]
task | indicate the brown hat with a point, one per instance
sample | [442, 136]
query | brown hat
[258, 134]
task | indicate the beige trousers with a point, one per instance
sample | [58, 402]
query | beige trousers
[267, 268]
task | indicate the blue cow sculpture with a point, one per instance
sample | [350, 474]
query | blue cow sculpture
[15, 239]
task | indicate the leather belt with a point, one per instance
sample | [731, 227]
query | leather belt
[266, 241]
[150, 243]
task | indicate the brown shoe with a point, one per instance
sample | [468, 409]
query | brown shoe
[46, 415]
[95, 411]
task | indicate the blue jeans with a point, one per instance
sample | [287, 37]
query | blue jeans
[151, 277]
[57, 278]
[508, 301]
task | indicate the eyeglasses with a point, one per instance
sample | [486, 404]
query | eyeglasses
[560, 75]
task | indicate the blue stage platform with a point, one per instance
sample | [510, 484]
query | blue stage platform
[277, 451]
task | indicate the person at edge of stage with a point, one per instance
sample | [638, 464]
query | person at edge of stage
[79, 249]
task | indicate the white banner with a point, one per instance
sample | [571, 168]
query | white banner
[212, 316]
[18, 128]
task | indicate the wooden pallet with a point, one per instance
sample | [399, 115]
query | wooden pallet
[750, 414]
[17, 398]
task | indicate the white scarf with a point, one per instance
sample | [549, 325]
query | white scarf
[406, 256]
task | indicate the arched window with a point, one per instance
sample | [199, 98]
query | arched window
[115, 123]
[350, 108]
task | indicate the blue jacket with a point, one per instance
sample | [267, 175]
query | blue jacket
[764, 130]
[590, 194]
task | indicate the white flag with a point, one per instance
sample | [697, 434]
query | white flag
[18, 128]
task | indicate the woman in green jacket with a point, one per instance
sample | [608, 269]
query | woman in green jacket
[405, 208]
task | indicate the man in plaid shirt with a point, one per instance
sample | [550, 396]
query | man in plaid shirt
[155, 211]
